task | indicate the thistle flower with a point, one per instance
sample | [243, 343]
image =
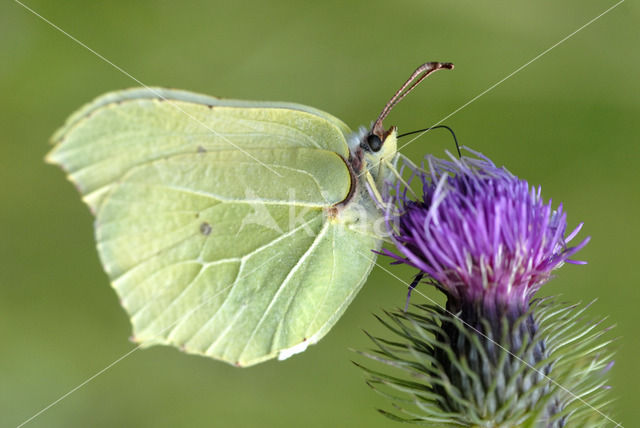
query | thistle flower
[482, 233]
[494, 356]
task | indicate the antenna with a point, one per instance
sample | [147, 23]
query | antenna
[418, 76]
[455, 140]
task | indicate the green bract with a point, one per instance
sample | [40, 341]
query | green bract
[546, 369]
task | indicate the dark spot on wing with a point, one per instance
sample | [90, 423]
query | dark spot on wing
[197, 215]
[205, 228]
[202, 149]
[210, 106]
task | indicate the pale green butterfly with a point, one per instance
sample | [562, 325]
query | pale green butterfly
[194, 198]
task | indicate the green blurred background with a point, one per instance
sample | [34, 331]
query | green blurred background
[568, 121]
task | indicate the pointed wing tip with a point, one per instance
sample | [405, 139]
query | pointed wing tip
[50, 158]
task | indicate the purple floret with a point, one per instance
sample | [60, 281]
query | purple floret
[481, 232]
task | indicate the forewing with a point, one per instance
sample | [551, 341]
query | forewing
[118, 131]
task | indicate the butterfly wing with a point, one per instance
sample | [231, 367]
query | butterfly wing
[120, 130]
[213, 219]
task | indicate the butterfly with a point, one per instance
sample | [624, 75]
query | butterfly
[238, 230]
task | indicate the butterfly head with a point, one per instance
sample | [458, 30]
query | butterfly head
[377, 149]
[379, 144]
[369, 150]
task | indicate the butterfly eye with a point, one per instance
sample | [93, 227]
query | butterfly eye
[374, 142]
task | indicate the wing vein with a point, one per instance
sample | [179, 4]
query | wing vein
[331, 282]
[293, 270]
[244, 260]
[184, 290]
[242, 201]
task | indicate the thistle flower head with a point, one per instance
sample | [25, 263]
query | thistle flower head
[478, 230]
[494, 356]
